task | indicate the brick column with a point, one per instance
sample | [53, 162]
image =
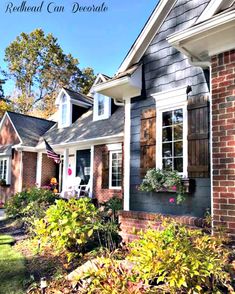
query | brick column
[223, 143]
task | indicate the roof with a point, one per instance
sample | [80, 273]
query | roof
[29, 128]
[85, 128]
[5, 149]
[78, 96]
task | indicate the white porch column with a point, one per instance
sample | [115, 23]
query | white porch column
[21, 170]
[39, 169]
[65, 169]
[92, 170]
[127, 149]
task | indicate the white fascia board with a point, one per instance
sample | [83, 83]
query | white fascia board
[80, 103]
[25, 148]
[111, 84]
[123, 88]
[148, 33]
[94, 141]
[195, 31]
[210, 10]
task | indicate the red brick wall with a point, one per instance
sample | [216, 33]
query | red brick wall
[48, 170]
[29, 169]
[8, 134]
[131, 221]
[101, 194]
[6, 192]
[223, 149]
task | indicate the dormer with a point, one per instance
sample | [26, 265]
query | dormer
[102, 105]
[71, 106]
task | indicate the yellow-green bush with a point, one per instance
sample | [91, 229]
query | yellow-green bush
[183, 259]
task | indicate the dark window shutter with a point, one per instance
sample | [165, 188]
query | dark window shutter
[105, 170]
[198, 137]
[147, 141]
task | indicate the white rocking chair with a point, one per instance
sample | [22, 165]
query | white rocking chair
[84, 190]
[72, 189]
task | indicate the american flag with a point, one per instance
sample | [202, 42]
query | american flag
[51, 153]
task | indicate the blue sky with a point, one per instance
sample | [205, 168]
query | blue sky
[98, 40]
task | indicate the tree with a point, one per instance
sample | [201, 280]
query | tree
[40, 69]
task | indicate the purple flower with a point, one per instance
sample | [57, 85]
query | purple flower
[172, 200]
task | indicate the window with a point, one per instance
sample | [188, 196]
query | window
[4, 169]
[172, 149]
[63, 110]
[172, 130]
[115, 170]
[100, 105]
[172, 140]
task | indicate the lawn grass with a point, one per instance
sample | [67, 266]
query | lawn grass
[12, 267]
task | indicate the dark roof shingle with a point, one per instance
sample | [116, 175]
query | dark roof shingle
[29, 128]
[85, 128]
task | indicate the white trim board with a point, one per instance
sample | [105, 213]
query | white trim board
[147, 34]
[167, 101]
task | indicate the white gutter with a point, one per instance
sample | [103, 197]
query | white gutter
[213, 23]
[111, 84]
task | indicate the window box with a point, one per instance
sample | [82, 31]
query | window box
[161, 181]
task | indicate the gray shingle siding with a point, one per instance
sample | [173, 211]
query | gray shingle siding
[166, 68]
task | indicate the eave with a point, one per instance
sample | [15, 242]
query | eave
[206, 39]
[124, 87]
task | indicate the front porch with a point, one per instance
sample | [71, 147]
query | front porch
[99, 165]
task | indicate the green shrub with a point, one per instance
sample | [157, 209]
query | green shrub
[30, 204]
[68, 225]
[76, 226]
[185, 260]
[110, 276]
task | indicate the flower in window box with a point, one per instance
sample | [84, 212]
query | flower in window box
[157, 180]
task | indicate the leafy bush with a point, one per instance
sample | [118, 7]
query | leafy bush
[112, 206]
[157, 180]
[67, 225]
[70, 226]
[110, 276]
[30, 204]
[182, 259]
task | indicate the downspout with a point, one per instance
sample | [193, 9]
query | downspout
[207, 64]
[211, 155]
[118, 103]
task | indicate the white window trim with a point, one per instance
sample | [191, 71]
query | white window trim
[110, 170]
[107, 107]
[8, 171]
[167, 101]
[68, 111]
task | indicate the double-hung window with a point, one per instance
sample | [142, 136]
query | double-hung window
[172, 140]
[115, 170]
[63, 111]
[4, 165]
[172, 150]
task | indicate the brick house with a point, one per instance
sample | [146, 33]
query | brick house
[177, 84]
[87, 132]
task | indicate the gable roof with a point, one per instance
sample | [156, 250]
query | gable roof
[147, 34]
[29, 128]
[84, 128]
[78, 96]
